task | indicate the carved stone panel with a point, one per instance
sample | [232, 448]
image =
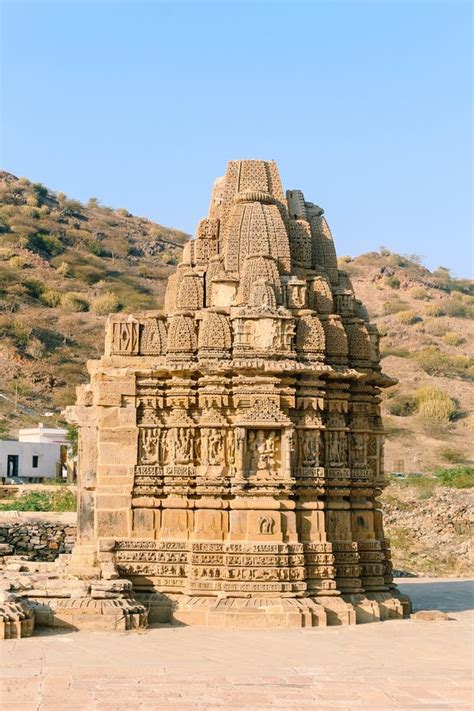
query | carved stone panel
[263, 449]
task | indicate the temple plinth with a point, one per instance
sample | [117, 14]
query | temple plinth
[231, 447]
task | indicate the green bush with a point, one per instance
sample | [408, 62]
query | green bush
[61, 500]
[458, 477]
[34, 287]
[96, 248]
[393, 282]
[40, 190]
[49, 245]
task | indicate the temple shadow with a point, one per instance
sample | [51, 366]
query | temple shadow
[445, 595]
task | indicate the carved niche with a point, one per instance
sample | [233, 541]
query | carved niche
[263, 452]
[215, 338]
[336, 441]
[309, 447]
[310, 337]
[153, 337]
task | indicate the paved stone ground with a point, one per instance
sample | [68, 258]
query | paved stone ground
[390, 665]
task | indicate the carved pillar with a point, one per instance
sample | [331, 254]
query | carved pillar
[240, 451]
[288, 445]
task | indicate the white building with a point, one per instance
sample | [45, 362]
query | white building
[30, 461]
[48, 435]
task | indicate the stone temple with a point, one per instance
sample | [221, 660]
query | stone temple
[231, 446]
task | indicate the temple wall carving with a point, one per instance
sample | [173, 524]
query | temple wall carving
[232, 445]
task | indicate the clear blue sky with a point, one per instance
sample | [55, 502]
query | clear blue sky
[366, 106]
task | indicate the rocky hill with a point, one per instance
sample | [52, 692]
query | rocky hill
[64, 265]
[426, 322]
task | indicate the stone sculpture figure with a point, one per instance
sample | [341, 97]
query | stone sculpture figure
[149, 445]
[310, 448]
[231, 448]
[216, 444]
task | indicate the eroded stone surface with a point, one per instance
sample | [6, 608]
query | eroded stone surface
[231, 448]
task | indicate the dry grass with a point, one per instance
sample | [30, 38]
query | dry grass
[453, 339]
[434, 406]
[408, 317]
[420, 293]
[105, 304]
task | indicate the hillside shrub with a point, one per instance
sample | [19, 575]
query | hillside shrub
[51, 298]
[96, 248]
[16, 330]
[18, 262]
[46, 245]
[40, 190]
[402, 405]
[458, 477]
[451, 454]
[418, 292]
[453, 339]
[72, 207]
[6, 254]
[456, 308]
[433, 362]
[394, 351]
[434, 406]
[105, 304]
[64, 269]
[393, 282]
[34, 287]
[435, 327]
[72, 301]
[393, 307]
[35, 348]
[435, 310]
[408, 317]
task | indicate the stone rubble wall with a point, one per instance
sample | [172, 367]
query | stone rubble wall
[39, 537]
